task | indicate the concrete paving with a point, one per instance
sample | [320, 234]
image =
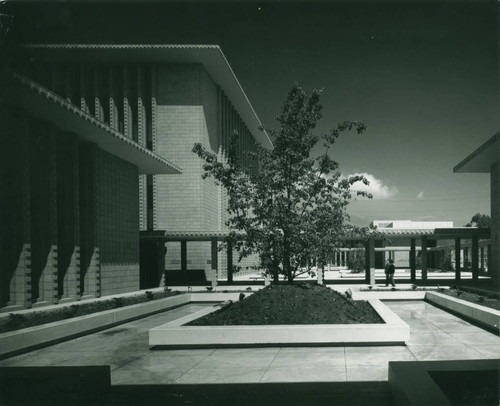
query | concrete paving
[435, 335]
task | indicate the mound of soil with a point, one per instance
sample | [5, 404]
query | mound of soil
[292, 304]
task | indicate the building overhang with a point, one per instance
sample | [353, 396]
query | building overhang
[481, 160]
[210, 56]
[432, 234]
[46, 105]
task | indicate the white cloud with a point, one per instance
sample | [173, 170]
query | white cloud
[420, 195]
[376, 186]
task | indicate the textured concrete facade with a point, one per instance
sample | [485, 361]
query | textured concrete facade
[185, 115]
[82, 203]
[495, 220]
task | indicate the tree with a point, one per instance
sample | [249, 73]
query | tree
[294, 208]
[480, 221]
[356, 259]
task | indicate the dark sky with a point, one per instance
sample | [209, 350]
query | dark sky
[423, 76]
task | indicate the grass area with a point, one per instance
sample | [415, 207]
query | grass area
[478, 298]
[301, 303]
[16, 321]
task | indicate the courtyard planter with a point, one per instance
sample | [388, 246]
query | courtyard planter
[176, 334]
[485, 316]
[18, 341]
[386, 294]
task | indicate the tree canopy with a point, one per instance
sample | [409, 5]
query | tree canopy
[293, 208]
[479, 220]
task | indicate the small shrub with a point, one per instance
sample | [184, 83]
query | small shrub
[16, 320]
[356, 260]
[118, 302]
[446, 264]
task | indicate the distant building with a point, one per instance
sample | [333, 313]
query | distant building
[410, 224]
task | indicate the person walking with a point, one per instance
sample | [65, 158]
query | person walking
[389, 273]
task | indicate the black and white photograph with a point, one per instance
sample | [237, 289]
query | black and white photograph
[239, 202]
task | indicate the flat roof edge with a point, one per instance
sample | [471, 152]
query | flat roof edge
[219, 69]
[461, 167]
[147, 161]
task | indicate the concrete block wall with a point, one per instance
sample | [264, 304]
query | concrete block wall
[185, 114]
[15, 233]
[495, 220]
[117, 223]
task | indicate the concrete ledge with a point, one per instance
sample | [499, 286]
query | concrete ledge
[411, 382]
[387, 294]
[175, 334]
[485, 316]
[217, 296]
[15, 342]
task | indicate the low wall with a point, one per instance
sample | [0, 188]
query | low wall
[176, 334]
[15, 342]
[386, 294]
[485, 316]
[411, 382]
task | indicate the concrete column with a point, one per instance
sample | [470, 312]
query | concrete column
[457, 259]
[466, 258]
[494, 252]
[141, 107]
[98, 103]
[413, 260]
[214, 262]
[370, 262]
[475, 258]
[184, 269]
[44, 213]
[84, 96]
[229, 263]
[68, 234]
[320, 276]
[482, 259]
[88, 279]
[424, 258]
[127, 110]
[15, 210]
[112, 105]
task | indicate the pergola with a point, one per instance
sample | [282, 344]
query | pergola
[428, 243]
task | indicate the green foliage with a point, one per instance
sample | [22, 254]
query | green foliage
[446, 263]
[18, 321]
[294, 209]
[480, 221]
[356, 260]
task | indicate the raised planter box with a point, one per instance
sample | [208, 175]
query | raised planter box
[14, 342]
[487, 317]
[387, 294]
[412, 382]
[176, 334]
[18, 341]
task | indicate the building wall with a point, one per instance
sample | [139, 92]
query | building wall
[117, 223]
[69, 215]
[495, 220]
[185, 115]
[15, 233]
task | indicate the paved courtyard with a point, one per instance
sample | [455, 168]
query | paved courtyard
[435, 335]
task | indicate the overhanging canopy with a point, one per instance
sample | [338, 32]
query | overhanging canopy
[46, 105]
[210, 56]
[481, 159]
